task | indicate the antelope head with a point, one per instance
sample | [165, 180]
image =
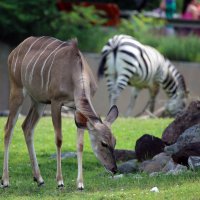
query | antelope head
[102, 140]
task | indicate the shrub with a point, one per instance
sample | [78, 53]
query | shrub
[20, 19]
[146, 30]
[83, 23]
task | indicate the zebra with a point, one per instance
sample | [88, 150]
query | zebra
[125, 61]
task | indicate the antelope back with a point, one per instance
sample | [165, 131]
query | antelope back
[46, 67]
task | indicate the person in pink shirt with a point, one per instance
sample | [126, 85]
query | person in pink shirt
[191, 10]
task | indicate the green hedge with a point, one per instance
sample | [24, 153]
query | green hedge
[132, 4]
[147, 31]
[20, 19]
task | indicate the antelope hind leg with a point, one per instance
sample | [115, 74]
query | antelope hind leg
[28, 126]
[56, 118]
[80, 135]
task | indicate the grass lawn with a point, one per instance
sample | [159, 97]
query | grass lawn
[98, 184]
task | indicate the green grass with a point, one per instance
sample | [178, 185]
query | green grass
[98, 184]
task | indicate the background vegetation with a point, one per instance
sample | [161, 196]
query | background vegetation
[20, 19]
[133, 4]
[98, 183]
[150, 31]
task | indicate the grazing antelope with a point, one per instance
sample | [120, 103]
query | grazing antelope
[54, 72]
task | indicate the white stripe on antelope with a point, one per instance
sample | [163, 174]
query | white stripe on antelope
[125, 61]
[54, 72]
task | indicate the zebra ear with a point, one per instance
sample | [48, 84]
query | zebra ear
[112, 114]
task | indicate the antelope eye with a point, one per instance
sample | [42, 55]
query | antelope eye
[104, 144]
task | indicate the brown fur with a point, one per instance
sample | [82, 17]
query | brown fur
[54, 72]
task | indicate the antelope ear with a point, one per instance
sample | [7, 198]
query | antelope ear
[90, 125]
[112, 114]
[80, 120]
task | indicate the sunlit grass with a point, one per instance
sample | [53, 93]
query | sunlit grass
[98, 184]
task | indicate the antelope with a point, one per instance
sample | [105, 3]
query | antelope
[55, 72]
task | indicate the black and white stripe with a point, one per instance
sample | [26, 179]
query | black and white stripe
[125, 61]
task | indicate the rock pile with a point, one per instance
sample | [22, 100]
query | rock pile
[182, 122]
[176, 151]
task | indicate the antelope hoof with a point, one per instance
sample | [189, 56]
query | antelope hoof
[60, 184]
[4, 184]
[39, 182]
[80, 186]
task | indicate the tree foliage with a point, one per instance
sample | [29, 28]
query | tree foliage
[21, 19]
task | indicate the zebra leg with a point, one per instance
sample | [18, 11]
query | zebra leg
[153, 93]
[151, 103]
[120, 84]
[28, 126]
[111, 89]
[134, 95]
[113, 99]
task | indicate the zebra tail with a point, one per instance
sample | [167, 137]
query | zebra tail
[101, 68]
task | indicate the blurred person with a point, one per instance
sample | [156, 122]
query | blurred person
[191, 10]
[169, 7]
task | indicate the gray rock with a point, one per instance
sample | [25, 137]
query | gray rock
[170, 165]
[128, 167]
[177, 170]
[156, 164]
[117, 176]
[191, 149]
[66, 155]
[124, 155]
[190, 135]
[194, 162]
[185, 120]
[162, 158]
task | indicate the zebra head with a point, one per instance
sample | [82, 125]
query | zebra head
[176, 104]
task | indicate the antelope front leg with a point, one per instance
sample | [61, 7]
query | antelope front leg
[28, 128]
[80, 135]
[56, 118]
[16, 99]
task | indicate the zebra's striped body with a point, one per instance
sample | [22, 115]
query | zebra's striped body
[125, 61]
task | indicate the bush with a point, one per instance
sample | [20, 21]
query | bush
[84, 23]
[146, 30]
[21, 19]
